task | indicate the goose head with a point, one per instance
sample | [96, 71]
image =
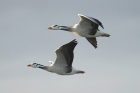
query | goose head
[56, 27]
[35, 65]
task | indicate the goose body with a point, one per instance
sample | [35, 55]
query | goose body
[63, 62]
[87, 27]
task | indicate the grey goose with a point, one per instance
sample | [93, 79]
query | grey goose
[63, 62]
[87, 27]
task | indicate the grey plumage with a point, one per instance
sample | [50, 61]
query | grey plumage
[63, 62]
[87, 27]
[65, 55]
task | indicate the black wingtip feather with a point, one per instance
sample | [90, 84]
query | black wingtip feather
[74, 41]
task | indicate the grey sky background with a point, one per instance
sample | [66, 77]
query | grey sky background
[113, 67]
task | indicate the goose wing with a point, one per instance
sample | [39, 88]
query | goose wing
[89, 25]
[95, 22]
[65, 54]
[93, 41]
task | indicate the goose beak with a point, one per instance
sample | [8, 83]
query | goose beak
[50, 27]
[29, 65]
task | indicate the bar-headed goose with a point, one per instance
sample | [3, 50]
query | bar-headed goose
[87, 27]
[63, 62]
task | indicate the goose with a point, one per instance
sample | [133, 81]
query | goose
[87, 27]
[63, 62]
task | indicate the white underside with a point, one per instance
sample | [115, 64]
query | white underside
[60, 70]
[86, 35]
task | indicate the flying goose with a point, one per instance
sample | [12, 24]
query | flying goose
[63, 62]
[87, 27]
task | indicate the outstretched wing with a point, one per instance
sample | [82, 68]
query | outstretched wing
[95, 22]
[93, 41]
[65, 54]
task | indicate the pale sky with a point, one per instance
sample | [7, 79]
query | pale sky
[114, 67]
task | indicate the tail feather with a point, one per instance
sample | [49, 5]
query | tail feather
[80, 72]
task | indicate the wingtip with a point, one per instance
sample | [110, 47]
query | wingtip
[102, 26]
[75, 41]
